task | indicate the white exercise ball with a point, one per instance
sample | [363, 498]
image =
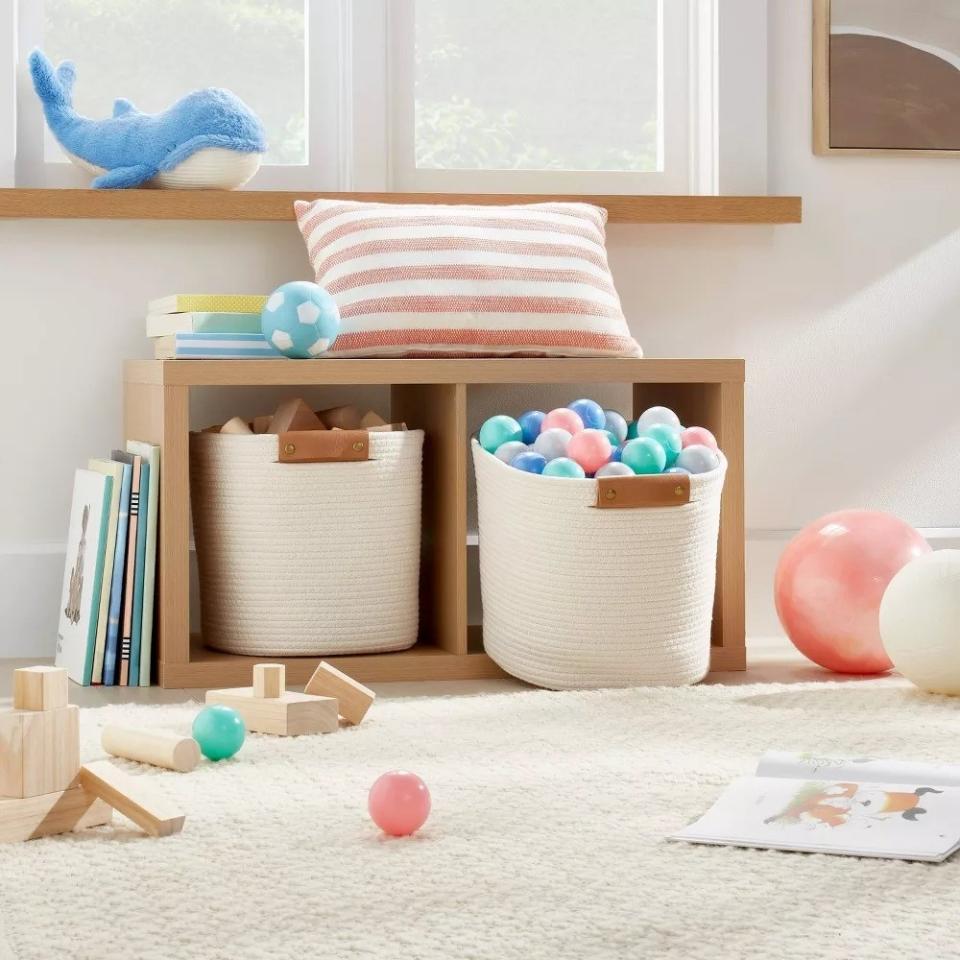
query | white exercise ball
[920, 621]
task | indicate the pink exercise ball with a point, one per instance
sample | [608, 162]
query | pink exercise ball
[830, 581]
[399, 803]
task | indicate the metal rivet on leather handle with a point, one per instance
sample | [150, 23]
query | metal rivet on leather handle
[358, 446]
[290, 448]
[678, 491]
[611, 494]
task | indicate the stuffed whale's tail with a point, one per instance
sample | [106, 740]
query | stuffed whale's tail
[54, 87]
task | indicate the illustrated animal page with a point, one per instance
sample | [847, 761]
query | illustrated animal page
[856, 807]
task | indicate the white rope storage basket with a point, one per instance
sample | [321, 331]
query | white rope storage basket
[575, 596]
[307, 558]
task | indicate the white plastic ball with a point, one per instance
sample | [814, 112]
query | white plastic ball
[653, 415]
[698, 459]
[552, 443]
[507, 451]
[920, 621]
[614, 469]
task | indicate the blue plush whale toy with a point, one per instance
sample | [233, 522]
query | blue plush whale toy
[208, 139]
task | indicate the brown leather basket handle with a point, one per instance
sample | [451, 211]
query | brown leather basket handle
[323, 446]
[655, 490]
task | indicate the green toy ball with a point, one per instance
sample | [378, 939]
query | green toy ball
[497, 431]
[668, 437]
[564, 467]
[644, 455]
[220, 731]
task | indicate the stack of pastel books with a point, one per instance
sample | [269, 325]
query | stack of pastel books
[107, 607]
[208, 326]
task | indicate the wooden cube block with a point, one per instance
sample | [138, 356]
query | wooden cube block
[51, 813]
[354, 698]
[236, 425]
[40, 688]
[262, 424]
[288, 715]
[372, 419]
[387, 428]
[294, 415]
[344, 418]
[134, 797]
[269, 680]
[39, 751]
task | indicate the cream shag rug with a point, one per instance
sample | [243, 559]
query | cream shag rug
[546, 839]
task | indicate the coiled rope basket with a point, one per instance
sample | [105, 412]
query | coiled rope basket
[578, 596]
[307, 558]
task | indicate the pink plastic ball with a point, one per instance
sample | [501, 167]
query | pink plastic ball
[564, 418]
[692, 436]
[399, 803]
[590, 448]
[830, 581]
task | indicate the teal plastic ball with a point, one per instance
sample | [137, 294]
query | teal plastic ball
[564, 467]
[497, 431]
[220, 731]
[668, 437]
[632, 430]
[644, 455]
[300, 320]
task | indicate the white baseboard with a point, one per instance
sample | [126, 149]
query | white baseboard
[31, 575]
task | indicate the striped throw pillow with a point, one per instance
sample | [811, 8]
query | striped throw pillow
[426, 280]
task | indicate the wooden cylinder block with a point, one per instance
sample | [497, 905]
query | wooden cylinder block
[150, 746]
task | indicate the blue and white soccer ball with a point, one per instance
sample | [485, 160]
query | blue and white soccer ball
[301, 320]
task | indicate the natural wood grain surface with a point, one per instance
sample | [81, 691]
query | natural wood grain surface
[156, 747]
[39, 688]
[278, 205]
[226, 373]
[135, 797]
[289, 715]
[52, 813]
[440, 410]
[353, 698]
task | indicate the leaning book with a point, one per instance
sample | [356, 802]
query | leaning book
[83, 574]
[858, 807]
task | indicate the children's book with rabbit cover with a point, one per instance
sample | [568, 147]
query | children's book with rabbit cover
[857, 807]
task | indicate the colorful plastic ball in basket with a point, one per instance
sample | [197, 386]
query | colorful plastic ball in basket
[564, 467]
[590, 412]
[497, 431]
[644, 455]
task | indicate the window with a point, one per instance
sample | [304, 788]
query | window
[543, 96]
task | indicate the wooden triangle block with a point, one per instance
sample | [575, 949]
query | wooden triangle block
[294, 415]
[51, 813]
[134, 797]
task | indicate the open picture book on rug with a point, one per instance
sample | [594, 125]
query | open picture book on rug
[855, 807]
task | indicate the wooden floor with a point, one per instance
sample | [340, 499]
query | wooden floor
[771, 660]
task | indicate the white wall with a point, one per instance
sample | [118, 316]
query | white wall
[849, 324]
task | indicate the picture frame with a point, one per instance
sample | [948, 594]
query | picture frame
[827, 141]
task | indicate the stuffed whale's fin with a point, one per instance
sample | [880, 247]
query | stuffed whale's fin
[121, 177]
[54, 87]
[122, 107]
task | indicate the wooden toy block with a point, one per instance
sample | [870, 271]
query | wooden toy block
[151, 746]
[39, 751]
[51, 813]
[342, 418]
[387, 428]
[236, 425]
[269, 680]
[40, 688]
[134, 797]
[354, 698]
[262, 424]
[289, 715]
[294, 415]
[372, 419]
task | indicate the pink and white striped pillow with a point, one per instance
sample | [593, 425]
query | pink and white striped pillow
[426, 280]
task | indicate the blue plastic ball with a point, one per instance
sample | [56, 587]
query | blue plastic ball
[590, 412]
[529, 462]
[300, 320]
[220, 731]
[698, 459]
[616, 424]
[530, 423]
[644, 455]
[617, 454]
[668, 437]
[564, 467]
[497, 431]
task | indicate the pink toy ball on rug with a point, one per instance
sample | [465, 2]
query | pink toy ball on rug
[829, 583]
[590, 448]
[564, 418]
[399, 803]
[698, 436]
